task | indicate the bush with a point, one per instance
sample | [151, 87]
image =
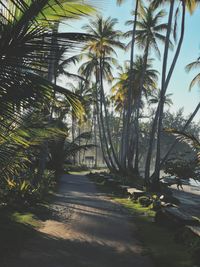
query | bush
[180, 168]
[19, 192]
[156, 203]
[145, 201]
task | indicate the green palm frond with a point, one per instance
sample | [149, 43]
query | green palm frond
[193, 66]
[189, 139]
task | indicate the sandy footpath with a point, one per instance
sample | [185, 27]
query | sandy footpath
[89, 231]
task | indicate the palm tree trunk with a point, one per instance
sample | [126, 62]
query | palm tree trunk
[165, 83]
[102, 133]
[103, 100]
[161, 103]
[95, 141]
[128, 105]
[107, 158]
[73, 135]
[105, 139]
[150, 147]
[138, 102]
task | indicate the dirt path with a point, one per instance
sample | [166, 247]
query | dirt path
[91, 231]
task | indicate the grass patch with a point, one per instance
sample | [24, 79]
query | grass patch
[158, 241]
[17, 227]
[27, 219]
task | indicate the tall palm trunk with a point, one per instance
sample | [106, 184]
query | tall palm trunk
[95, 140]
[164, 69]
[138, 102]
[102, 135]
[128, 106]
[73, 134]
[151, 146]
[103, 99]
[165, 83]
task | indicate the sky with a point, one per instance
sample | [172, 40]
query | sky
[190, 51]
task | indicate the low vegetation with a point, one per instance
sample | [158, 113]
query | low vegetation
[159, 242]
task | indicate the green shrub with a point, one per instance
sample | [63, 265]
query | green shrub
[145, 201]
[19, 192]
[156, 202]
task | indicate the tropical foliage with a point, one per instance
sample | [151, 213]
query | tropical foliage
[104, 110]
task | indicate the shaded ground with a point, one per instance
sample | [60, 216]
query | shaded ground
[89, 231]
[189, 198]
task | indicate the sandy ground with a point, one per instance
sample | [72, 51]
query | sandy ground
[90, 231]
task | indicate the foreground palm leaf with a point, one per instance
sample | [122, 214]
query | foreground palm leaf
[26, 48]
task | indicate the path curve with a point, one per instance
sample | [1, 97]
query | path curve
[91, 231]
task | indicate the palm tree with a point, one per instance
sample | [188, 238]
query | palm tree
[195, 64]
[165, 81]
[25, 52]
[105, 40]
[91, 69]
[120, 90]
[150, 29]
[154, 98]
[127, 108]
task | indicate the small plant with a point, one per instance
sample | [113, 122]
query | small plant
[156, 202]
[145, 201]
[22, 192]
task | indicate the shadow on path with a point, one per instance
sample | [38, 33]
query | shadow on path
[92, 231]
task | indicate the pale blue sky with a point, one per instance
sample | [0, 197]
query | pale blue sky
[190, 51]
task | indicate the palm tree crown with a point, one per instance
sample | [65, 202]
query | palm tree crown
[150, 28]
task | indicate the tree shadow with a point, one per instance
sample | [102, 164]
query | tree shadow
[46, 251]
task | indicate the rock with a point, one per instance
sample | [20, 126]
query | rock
[135, 193]
[124, 188]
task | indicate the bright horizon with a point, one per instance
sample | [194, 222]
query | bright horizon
[179, 85]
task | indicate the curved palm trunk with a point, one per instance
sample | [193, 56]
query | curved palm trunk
[103, 102]
[105, 139]
[95, 139]
[150, 147]
[126, 122]
[164, 68]
[136, 165]
[165, 83]
[107, 158]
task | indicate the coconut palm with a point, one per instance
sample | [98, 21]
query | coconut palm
[25, 54]
[150, 30]
[91, 69]
[191, 5]
[154, 98]
[150, 79]
[195, 64]
[105, 40]
[120, 89]
[128, 108]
